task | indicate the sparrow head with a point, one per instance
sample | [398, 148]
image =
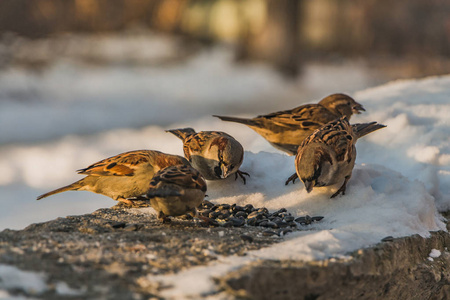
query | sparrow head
[230, 154]
[310, 165]
[308, 185]
[342, 105]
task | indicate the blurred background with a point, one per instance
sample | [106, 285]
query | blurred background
[81, 80]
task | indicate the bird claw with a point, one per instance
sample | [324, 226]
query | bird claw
[292, 178]
[342, 189]
[241, 174]
[127, 202]
[163, 218]
[339, 191]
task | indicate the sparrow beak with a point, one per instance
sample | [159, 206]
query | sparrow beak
[308, 185]
[218, 171]
[357, 108]
[225, 171]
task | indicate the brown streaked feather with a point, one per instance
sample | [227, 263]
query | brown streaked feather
[338, 134]
[323, 155]
[196, 142]
[120, 165]
[163, 160]
[220, 141]
[308, 115]
[286, 129]
[127, 163]
[181, 175]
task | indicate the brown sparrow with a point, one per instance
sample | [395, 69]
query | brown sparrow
[122, 176]
[175, 191]
[215, 154]
[327, 156]
[286, 130]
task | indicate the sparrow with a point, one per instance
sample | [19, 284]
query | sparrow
[175, 191]
[327, 156]
[215, 154]
[285, 130]
[122, 176]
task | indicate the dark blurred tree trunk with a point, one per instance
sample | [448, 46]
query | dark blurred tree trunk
[278, 42]
[283, 19]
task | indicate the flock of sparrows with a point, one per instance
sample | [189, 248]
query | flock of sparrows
[320, 136]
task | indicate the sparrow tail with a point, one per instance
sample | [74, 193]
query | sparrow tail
[70, 187]
[248, 122]
[361, 129]
[182, 133]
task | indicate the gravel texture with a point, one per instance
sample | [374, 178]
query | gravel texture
[109, 253]
[105, 254]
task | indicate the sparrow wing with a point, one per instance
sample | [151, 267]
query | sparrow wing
[126, 164]
[307, 117]
[123, 164]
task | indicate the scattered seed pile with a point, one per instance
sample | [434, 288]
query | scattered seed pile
[233, 215]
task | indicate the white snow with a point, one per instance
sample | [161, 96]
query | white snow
[417, 139]
[73, 115]
[31, 282]
[435, 253]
